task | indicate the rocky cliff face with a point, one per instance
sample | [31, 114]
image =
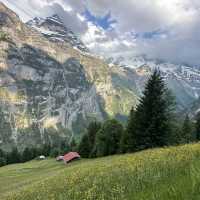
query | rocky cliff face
[49, 90]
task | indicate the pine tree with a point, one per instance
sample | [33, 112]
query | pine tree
[34, 152]
[3, 160]
[73, 145]
[187, 131]
[85, 147]
[127, 141]
[54, 152]
[101, 143]
[108, 138]
[14, 156]
[26, 155]
[2, 153]
[46, 149]
[197, 127]
[152, 116]
[92, 130]
[64, 147]
[176, 132]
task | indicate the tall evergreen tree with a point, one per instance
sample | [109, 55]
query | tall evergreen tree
[3, 160]
[176, 132]
[108, 138]
[35, 152]
[92, 130]
[87, 144]
[73, 145]
[54, 152]
[128, 138]
[46, 149]
[14, 156]
[26, 155]
[187, 131]
[2, 153]
[197, 127]
[64, 147]
[85, 147]
[152, 123]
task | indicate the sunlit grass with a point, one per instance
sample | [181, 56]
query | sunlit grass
[163, 174]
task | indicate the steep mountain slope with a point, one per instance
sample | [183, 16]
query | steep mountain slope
[184, 81]
[50, 90]
[54, 29]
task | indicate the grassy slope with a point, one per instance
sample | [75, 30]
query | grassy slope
[163, 174]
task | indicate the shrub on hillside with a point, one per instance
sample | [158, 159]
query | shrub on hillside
[54, 152]
[2, 162]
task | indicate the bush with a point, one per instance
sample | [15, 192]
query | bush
[54, 152]
[2, 162]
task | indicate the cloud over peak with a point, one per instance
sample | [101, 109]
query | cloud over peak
[167, 29]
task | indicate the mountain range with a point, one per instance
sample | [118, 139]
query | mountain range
[52, 86]
[182, 80]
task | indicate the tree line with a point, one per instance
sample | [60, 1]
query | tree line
[30, 153]
[153, 123]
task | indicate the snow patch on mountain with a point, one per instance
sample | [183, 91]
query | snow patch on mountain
[184, 81]
[55, 30]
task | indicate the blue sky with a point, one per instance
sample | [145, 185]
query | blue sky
[104, 22]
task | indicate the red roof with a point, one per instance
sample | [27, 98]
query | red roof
[70, 156]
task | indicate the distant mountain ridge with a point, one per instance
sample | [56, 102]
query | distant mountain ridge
[184, 81]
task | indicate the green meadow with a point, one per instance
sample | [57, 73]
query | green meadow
[159, 174]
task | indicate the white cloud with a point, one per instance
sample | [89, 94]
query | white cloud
[177, 23]
[179, 18]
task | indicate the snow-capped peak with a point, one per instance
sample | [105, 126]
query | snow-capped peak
[183, 80]
[55, 30]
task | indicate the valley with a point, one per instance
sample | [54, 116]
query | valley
[99, 101]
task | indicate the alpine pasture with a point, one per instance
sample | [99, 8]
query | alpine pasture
[163, 174]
